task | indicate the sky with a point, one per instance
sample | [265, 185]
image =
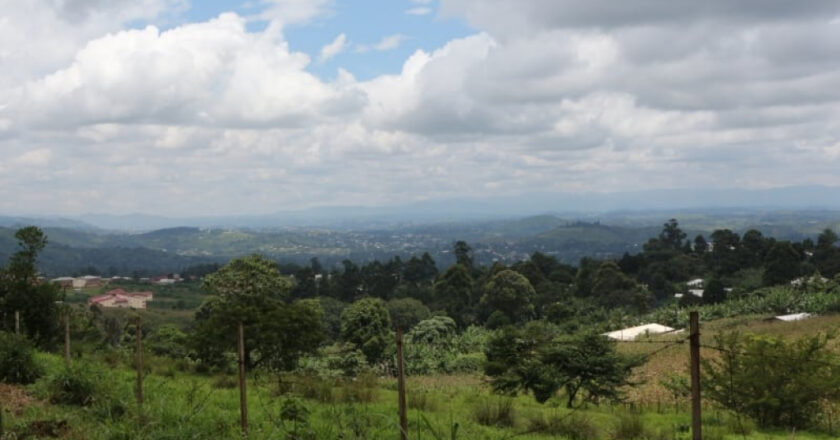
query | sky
[211, 107]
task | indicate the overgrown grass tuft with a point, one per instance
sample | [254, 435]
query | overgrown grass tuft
[629, 427]
[494, 411]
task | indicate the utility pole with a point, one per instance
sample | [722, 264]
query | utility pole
[694, 337]
[401, 386]
[243, 401]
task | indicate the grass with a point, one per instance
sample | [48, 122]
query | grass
[182, 404]
[195, 406]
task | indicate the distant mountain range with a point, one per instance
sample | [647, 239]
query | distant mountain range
[75, 247]
[565, 205]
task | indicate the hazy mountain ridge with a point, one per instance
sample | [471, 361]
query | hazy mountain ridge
[605, 236]
[585, 206]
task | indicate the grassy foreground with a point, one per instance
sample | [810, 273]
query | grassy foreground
[184, 405]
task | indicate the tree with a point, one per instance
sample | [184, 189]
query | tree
[778, 383]
[511, 293]
[417, 270]
[463, 254]
[380, 280]
[305, 284]
[781, 264]
[714, 292]
[433, 330]
[700, 245]
[826, 254]
[349, 283]
[826, 239]
[534, 360]
[753, 248]
[452, 293]
[20, 290]
[406, 312]
[252, 291]
[724, 255]
[672, 236]
[612, 288]
[366, 324]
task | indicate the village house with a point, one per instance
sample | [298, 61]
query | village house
[122, 299]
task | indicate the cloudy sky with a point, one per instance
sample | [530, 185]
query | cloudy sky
[195, 107]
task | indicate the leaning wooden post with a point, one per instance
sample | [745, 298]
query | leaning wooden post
[243, 401]
[67, 336]
[401, 386]
[694, 336]
[139, 335]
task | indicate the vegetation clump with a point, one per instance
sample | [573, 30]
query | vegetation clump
[777, 383]
[17, 363]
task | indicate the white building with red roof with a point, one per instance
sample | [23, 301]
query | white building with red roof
[121, 298]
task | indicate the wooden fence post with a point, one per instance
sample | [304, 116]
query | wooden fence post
[17, 322]
[139, 335]
[694, 336]
[67, 336]
[401, 386]
[243, 401]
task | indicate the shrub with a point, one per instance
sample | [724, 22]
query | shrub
[421, 400]
[225, 381]
[575, 427]
[775, 382]
[494, 411]
[628, 427]
[468, 363]
[17, 364]
[76, 385]
[312, 387]
[359, 390]
[571, 425]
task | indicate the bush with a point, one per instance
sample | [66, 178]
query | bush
[339, 359]
[571, 425]
[421, 400]
[76, 385]
[17, 364]
[359, 390]
[225, 381]
[315, 388]
[468, 363]
[494, 411]
[575, 427]
[629, 427]
[775, 382]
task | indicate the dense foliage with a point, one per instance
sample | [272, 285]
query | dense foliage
[776, 382]
[17, 364]
[22, 292]
[537, 360]
[251, 291]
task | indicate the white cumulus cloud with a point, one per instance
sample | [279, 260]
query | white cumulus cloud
[334, 48]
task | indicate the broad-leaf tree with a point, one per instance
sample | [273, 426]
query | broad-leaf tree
[21, 291]
[511, 293]
[367, 325]
[536, 360]
[252, 291]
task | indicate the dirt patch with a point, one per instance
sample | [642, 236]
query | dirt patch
[14, 398]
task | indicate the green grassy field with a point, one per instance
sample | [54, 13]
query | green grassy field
[180, 405]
